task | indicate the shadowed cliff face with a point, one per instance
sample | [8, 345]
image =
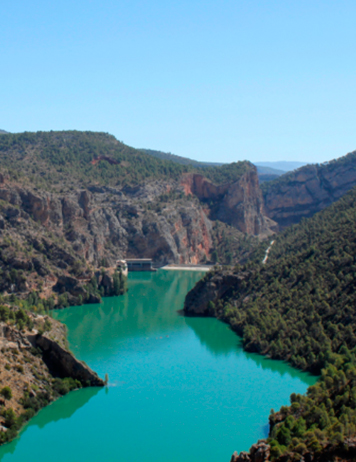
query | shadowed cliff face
[201, 300]
[29, 372]
[62, 363]
[309, 189]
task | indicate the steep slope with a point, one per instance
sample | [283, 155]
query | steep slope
[311, 188]
[61, 160]
[238, 204]
[299, 307]
[72, 203]
[35, 367]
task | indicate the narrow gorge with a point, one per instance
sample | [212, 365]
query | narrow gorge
[74, 203]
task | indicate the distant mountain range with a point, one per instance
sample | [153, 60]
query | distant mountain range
[179, 159]
[283, 165]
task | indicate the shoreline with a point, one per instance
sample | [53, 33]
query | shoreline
[187, 267]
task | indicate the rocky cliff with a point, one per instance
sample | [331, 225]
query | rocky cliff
[51, 237]
[303, 192]
[62, 363]
[35, 367]
[107, 223]
[237, 203]
[259, 452]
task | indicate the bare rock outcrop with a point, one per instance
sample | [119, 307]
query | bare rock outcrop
[62, 363]
[259, 452]
[107, 224]
[49, 235]
[197, 185]
[36, 367]
[239, 204]
[12, 338]
[242, 206]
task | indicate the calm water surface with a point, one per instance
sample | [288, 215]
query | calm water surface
[180, 389]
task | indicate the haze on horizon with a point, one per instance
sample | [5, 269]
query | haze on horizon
[218, 81]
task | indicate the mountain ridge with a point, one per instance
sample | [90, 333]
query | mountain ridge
[303, 192]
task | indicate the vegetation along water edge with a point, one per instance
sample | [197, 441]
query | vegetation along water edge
[73, 203]
[299, 307]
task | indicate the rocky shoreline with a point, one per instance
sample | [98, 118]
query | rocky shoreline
[36, 368]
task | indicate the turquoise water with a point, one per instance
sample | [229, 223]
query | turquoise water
[180, 389]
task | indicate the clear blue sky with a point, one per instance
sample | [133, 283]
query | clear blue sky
[216, 80]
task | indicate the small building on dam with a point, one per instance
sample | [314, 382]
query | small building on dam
[139, 264]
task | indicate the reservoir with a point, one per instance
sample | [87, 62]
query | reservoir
[180, 389]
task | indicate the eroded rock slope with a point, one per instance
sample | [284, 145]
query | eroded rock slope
[303, 192]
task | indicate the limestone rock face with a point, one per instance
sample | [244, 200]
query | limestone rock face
[242, 206]
[197, 185]
[177, 235]
[12, 338]
[308, 190]
[106, 223]
[63, 364]
[239, 204]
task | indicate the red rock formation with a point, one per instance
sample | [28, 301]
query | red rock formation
[242, 206]
[197, 185]
[110, 223]
[239, 204]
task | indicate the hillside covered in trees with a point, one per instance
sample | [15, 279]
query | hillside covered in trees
[300, 306]
[73, 203]
[58, 160]
[265, 172]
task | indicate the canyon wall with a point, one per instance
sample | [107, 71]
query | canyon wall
[239, 204]
[32, 356]
[106, 223]
[303, 192]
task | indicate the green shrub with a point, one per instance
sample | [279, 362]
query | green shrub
[6, 392]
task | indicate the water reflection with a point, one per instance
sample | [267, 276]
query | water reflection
[214, 335]
[146, 310]
[171, 379]
[218, 338]
[63, 408]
